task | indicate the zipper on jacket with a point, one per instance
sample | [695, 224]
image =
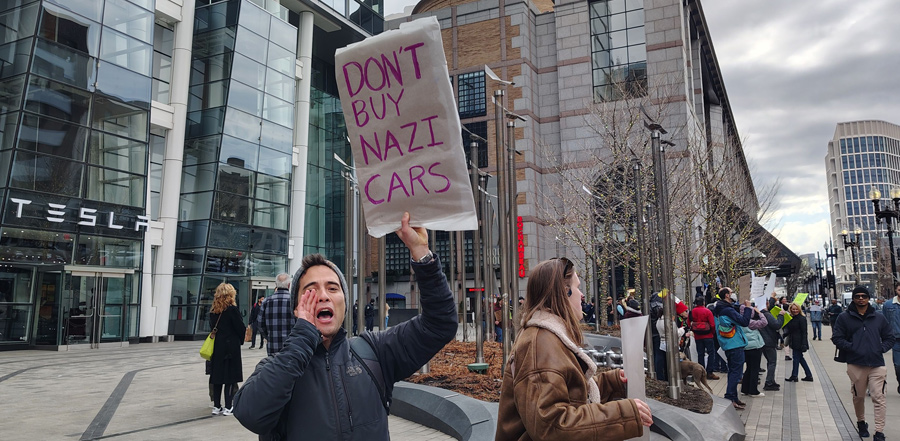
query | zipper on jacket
[349, 401]
[337, 413]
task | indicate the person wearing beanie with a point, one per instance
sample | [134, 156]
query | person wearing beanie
[703, 325]
[863, 337]
[315, 388]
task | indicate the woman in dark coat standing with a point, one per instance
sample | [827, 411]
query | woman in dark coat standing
[226, 359]
[799, 344]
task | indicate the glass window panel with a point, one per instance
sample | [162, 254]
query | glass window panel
[600, 60]
[46, 174]
[214, 68]
[246, 98]
[208, 95]
[120, 119]
[201, 150]
[239, 153]
[6, 159]
[636, 36]
[278, 111]
[12, 4]
[283, 34]
[58, 100]
[213, 43]
[198, 178]
[19, 23]
[598, 25]
[267, 265]
[280, 86]
[129, 19]
[205, 122]
[270, 215]
[192, 234]
[189, 262]
[616, 22]
[146, 4]
[282, 60]
[124, 85]
[255, 19]
[34, 246]
[617, 39]
[274, 163]
[599, 9]
[277, 137]
[159, 91]
[216, 16]
[119, 153]
[88, 8]
[242, 125]
[225, 235]
[115, 187]
[11, 94]
[251, 45]
[125, 51]
[634, 4]
[226, 261]
[616, 6]
[269, 241]
[52, 137]
[8, 124]
[14, 59]
[635, 18]
[162, 67]
[270, 188]
[108, 251]
[163, 39]
[248, 71]
[231, 207]
[619, 56]
[637, 54]
[235, 180]
[195, 206]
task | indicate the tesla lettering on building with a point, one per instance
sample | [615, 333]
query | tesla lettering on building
[88, 217]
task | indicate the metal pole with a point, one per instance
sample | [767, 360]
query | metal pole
[361, 268]
[476, 249]
[382, 278]
[503, 221]
[348, 243]
[451, 246]
[513, 219]
[490, 277]
[639, 210]
[461, 271]
[890, 229]
[665, 249]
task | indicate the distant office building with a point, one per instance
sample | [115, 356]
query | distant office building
[151, 150]
[862, 155]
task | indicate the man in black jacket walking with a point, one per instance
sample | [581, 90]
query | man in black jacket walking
[864, 336]
[314, 389]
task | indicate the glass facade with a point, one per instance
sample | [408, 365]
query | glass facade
[74, 124]
[235, 189]
[618, 49]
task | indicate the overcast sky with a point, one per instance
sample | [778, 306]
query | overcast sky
[793, 69]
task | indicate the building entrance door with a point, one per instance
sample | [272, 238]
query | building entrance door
[94, 308]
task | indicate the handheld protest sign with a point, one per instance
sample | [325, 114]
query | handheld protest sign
[404, 130]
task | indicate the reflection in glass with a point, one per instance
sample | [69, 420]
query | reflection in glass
[231, 207]
[35, 247]
[189, 261]
[125, 51]
[52, 136]
[279, 86]
[245, 98]
[213, 43]
[269, 241]
[201, 150]
[198, 178]
[235, 180]
[216, 16]
[248, 71]
[281, 60]
[255, 19]
[283, 34]
[119, 153]
[88, 8]
[205, 122]
[58, 100]
[124, 85]
[226, 261]
[242, 125]
[18, 23]
[120, 119]
[14, 58]
[275, 163]
[278, 111]
[46, 174]
[11, 94]
[239, 153]
[276, 137]
[266, 265]
[208, 95]
[251, 45]
[107, 251]
[67, 29]
[8, 123]
[228, 235]
[129, 19]
[270, 215]
[270, 188]
[191, 234]
[115, 187]
[214, 68]
[195, 206]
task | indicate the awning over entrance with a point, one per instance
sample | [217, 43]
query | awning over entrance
[394, 296]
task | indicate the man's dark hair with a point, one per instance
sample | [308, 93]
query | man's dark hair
[723, 293]
[861, 290]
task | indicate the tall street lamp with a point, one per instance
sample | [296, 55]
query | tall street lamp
[852, 241]
[349, 194]
[890, 216]
[830, 253]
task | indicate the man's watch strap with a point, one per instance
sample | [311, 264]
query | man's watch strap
[425, 259]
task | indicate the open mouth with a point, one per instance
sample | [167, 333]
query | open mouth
[325, 315]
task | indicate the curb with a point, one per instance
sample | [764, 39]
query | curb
[459, 416]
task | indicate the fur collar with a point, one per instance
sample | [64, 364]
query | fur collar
[553, 323]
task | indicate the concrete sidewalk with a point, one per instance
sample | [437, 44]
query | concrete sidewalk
[155, 391]
[821, 410]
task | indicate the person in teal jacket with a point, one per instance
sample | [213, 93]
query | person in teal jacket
[891, 311]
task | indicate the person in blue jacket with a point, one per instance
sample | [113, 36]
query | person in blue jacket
[315, 389]
[731, 340]
[891, 311]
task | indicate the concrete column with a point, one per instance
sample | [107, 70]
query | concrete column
[301, 140]
[172, 168]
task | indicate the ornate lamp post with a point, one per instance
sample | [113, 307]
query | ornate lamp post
[830, 253]
[852, 242]
[890, 216]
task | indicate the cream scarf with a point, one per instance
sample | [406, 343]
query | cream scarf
[551, 322]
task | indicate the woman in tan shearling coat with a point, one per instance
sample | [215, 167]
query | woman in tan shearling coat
[550, 390]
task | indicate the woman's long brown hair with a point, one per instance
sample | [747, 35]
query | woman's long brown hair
[548, 285]
[224, 298]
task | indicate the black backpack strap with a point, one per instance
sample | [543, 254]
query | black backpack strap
[364, 353]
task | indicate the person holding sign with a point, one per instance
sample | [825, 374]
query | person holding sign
[799, 342]
[864, 337]
[550, 390]
[322, 385]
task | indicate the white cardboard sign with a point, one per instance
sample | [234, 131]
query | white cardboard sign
[404, 130]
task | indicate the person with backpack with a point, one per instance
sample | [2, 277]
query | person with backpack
[659, 357]
[702, 324]
[324, 386]
[753, 351]
[731, 340]
[770, 334]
